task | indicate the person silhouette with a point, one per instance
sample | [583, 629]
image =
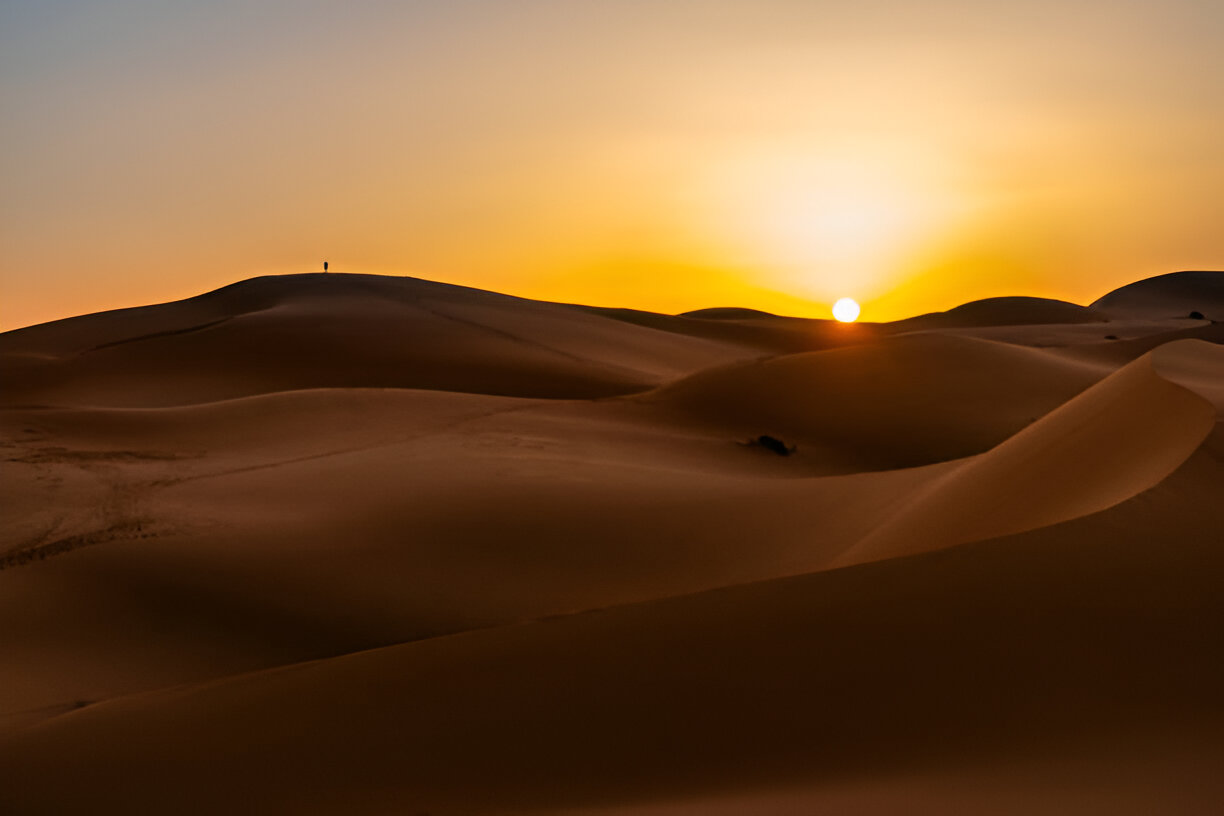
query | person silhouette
[325, 266]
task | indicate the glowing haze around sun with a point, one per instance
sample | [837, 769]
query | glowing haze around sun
[770, 154]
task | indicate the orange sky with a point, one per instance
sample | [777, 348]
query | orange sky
[660, 154]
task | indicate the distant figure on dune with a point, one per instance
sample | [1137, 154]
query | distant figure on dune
[325, 266]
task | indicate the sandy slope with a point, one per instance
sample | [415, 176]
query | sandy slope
[1121, 437]
[311, 331]
[1174, 295]
[515, 591]
[481, 529]
[1004, 311]
[897, 402]
[1078, 643]
[438, 512]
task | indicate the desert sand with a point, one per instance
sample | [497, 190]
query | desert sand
[359, 544]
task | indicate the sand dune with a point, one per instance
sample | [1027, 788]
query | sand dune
[323, 544]
[1115, 353]
[768, 334]
[808, 684]
[1174, 295]
[1005, 311]
[897, 402]
[316, 331]
[299, 532]
[1119, 438]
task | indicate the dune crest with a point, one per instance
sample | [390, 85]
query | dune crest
[1119, 438]
[1176, 295]
[293, 332]
[871, 405]
[303, 545]
[1005, 311]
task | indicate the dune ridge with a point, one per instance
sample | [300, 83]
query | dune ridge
[1119, 438]
[1005, 311]
[1176, 294]
[814, 705]
[311, 331]
[872, 402]
[330, 543]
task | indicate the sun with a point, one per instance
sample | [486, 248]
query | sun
[846, 310]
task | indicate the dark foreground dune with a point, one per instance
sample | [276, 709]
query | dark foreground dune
[351, 544]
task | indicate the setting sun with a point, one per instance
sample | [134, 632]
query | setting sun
[406, 405]
[773, 155]
[846, 310]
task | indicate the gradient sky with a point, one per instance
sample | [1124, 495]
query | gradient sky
[661, 154]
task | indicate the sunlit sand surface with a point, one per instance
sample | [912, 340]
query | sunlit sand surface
[360, 544]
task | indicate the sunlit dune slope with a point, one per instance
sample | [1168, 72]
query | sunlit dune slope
[211, 539]
[321, 544]
[1097, 638]
[317, 522]
[1117, 439]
